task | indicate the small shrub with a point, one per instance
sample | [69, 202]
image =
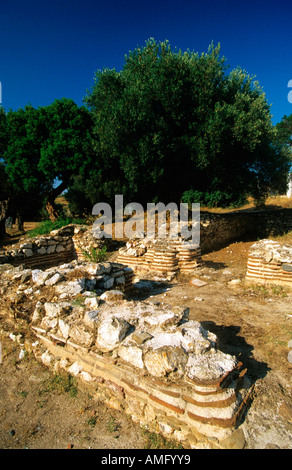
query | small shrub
[92, 422]
[213, 198]
[94, 255]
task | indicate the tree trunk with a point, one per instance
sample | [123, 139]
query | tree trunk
[19, 223]
[52, 210]
[3, 233]
[3, 215]
[50, 201]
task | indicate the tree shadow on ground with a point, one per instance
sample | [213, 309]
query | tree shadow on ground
[145, 288]
[229, 342]
[10, 240]
[214, 265]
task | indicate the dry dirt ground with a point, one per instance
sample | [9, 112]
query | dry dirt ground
[254, 322]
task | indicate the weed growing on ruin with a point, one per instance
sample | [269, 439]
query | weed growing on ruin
[112, 426]
[279, 290]
[94, 255]
[78, 301]
[59, 384]
[157, 441]
[266, 291]
[92, 422]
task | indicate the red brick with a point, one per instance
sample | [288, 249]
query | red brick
[167, 405]
[211, 404]
[134, 387]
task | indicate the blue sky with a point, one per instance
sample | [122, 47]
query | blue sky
[51, 49]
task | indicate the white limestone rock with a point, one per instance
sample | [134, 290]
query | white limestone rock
[81, 333]
[47, 358]
[132, 354]
[92, 302]
[160, 362]
[71, 287]
[212, 365]
[55, 309]
[75, 369]
[111, 331]
[38, 313]
[55, 279]
[112, 295]
[40, 277]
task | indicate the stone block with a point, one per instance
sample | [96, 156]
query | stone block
[54, 279]
[82, 334]
[28, 252]
[132, 354]
[92, 302]
[112, 296]
[111, 332]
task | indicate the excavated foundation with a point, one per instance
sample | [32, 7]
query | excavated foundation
[270, 262]
[142, 357]
[167, 256]
[150, 361]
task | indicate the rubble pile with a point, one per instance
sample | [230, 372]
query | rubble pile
[268, 261]
[144, 358]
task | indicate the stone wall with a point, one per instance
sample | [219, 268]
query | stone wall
[218, 230]
[268, 261]
[59, 246]
[145, 358]
[50, 250]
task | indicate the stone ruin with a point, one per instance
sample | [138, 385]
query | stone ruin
[142, 357]
[62, 245]
[270, 262]
[168, 256]
[150, 361]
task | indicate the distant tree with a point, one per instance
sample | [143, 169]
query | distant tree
[3, 131]
[5, 195]
[65, 149]
[21, 158]
[171, 121]
[45, 148]
[284, 129]
[84, 190]
[4, 186]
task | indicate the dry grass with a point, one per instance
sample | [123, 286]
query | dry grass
[276, 202]
[283, 239]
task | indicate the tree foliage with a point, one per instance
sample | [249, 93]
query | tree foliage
[170, 121]
[170, 126]
[44, 146]
[284, 130]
